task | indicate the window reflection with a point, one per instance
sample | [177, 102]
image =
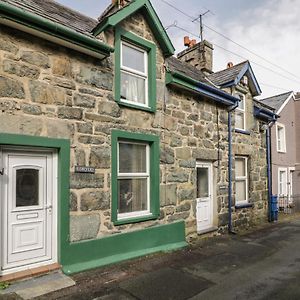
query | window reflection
[27, 187]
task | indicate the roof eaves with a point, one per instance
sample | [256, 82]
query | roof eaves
[200, 88]
[255, 82]
[285, 102]
[10, 14]
[151, 16]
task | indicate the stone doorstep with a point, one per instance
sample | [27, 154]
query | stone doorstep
[30, 273]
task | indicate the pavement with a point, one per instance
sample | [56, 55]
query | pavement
[263, 264]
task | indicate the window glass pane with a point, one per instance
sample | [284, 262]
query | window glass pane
[132, 158]
[239, 120]
[133, 88]
[27, 187]
[132, 195]
[133, 58]
[280, 136]
[240, 167]
[282, 183]
[202, 183]
[240, 191]
[242, 102]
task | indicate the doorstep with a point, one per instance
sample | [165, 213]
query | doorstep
[37, 286]
[30, 273]
[208, 230]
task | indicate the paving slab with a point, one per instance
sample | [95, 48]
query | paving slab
[165, 284]
[34, 287]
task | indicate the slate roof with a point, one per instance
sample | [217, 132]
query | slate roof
[111, 10]
[276, 101]
[260, 104]
[175, 65]
[58, 13]
[227, 75]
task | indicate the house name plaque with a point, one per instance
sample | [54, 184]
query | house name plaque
[84, 169]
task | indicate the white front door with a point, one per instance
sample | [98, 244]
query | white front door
[204, 197]
[28, 210]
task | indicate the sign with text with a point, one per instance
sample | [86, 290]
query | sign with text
[84, 169]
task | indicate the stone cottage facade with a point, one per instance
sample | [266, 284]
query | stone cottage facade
[105, 157]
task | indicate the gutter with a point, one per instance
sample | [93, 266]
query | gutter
[265, 114]
[201, 88]
[29, 22]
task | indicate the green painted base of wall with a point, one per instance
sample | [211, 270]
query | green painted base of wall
[96, 253]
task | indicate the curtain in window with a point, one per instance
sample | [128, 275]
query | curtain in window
[133, 88]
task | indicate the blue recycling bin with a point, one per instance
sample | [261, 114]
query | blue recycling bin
[274, 208]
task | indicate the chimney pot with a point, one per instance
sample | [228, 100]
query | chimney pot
[230, 65]
[193, 43]
[186, 41]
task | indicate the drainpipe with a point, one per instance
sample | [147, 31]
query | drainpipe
[232, 108]
[268, 141]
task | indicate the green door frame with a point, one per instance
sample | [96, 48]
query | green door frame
[63, 149]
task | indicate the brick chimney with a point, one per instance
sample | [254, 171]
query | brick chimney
[199, 55]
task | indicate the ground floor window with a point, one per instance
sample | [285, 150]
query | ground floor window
[241, 180]
[135, 177]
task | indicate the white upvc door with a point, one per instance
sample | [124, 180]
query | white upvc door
[282, 182]
[28, 209]
[204, 209]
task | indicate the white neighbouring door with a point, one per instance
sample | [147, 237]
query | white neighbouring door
[204, 209]
[28, 227]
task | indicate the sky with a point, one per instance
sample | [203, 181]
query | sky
[267, 30]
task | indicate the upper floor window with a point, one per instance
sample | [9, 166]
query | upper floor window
[241, 180]
[240, 113]
[134, 74]
[280, 138]
[135, 71]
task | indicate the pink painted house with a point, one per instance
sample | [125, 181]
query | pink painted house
[285, 148]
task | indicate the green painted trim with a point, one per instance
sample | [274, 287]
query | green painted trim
[124, 35]
[153, 141]
[63, 147]
[119, 247]
[151, 17]
[51, 28]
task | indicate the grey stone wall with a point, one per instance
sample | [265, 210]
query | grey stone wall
[253, 146]
[47, 90]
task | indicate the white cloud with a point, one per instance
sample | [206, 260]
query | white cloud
[272, 31]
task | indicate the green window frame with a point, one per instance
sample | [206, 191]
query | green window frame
[135, 41]
[152, 143]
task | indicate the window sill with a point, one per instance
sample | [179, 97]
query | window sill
[242, 131]
[135, 219]
[136, 106]
[281, 151]
[243, 205]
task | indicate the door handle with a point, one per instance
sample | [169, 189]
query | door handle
[48, 206]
